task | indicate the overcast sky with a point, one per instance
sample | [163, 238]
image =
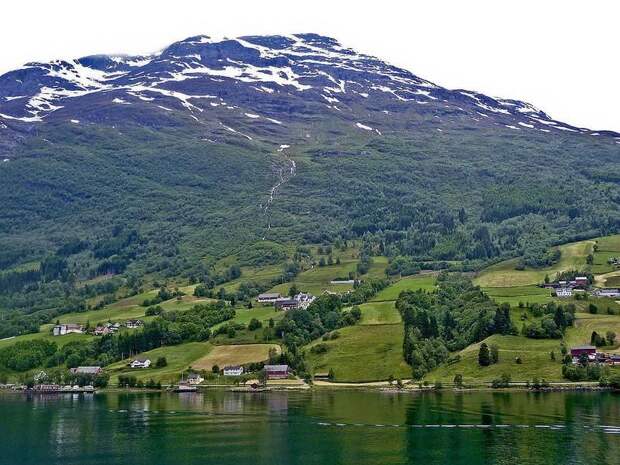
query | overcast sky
[560, 55]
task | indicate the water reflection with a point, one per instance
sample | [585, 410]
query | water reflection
[322, 427]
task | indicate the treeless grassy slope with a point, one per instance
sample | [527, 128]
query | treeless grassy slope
[363, 353]
[504, 274]
[379, 313]
[235, 355]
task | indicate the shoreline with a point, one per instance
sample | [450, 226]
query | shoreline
[325, 388]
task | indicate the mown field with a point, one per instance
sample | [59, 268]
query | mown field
[519, 294]
[235, 355]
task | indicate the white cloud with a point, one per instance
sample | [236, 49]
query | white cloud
[560, 56]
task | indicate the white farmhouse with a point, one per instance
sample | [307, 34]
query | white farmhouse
[233, 371]
[140, 363]
[61, 330]
[564, 292]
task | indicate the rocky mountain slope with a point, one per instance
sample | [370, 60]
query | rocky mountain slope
[231, 85]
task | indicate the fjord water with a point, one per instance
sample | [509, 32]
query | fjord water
[317, 427]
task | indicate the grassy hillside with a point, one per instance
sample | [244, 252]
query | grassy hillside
[519, 294]
[179, 358]
[372, 349]
[318, 279]
[504, 274]
[607, 247]
[534, 353]
[363, 353]
[235, 355]
[410, 283]
[379, 313]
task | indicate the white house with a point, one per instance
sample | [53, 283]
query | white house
[140, 363]
[133, 324]
[304, 300]
[233, 371]
[61, 330]
[195, 378]
[268, 298]
[608, 292]
[563, 292]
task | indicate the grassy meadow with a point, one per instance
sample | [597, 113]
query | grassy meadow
[235, 355]
[363, 353]
[379, 313]
[411, 283]
[179, 358]
[504, 274]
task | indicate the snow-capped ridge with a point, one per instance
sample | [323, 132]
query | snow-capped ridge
[261, 75]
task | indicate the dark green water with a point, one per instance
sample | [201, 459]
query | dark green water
[321, 427]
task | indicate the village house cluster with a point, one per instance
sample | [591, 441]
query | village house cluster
[299, 301]
[567, 288]
[99, 330]
[579, 353]
[579, 284]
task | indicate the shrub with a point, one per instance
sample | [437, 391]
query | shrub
[502, 382]
[254, 324]
[319, 348]
[484, 358]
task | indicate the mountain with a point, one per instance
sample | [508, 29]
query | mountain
[291, 77]
[161, 165]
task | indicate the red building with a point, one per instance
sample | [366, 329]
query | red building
[276, 371]
[577, 352]
[581, 281]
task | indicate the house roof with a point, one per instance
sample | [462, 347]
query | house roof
[583, 348]
[141, 360]
[276, 367]
[233, 367]
[87, 369]
[272, 295]
[193, 376]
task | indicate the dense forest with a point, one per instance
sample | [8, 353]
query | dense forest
[89, 210]
[455, 315]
